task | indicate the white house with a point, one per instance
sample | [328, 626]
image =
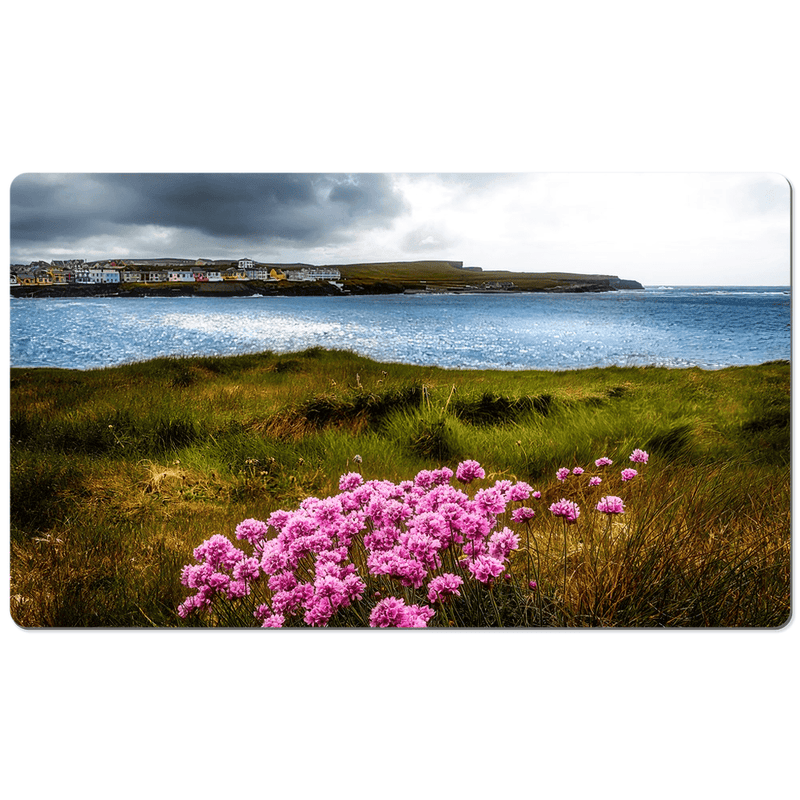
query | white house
[109, 275]
[246, 263]
[314, 274]
[258, 274]
[181, 275]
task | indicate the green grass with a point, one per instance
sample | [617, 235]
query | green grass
[441, 275]
[444, 273]
[117, 474]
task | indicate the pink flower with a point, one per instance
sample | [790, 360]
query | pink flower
[519, 491]
[319, 611]
[603, 462]
[577, 471]
[639, 456]
[445, 585]
[567, 509]
[389, 612]
[196, 576]
[473, 526]
[532, 584]
[522, 514]
[537, 495]
[219, 580]
[246, 570]
[277, 519]
[425, 479]
[282, 582]
[474, 549]
[237, 589]
[490, 501]
[218, 551]
[423, 547]
[628, 474]
[611, 505]
[350, 481]
[468, 471]
[501, 543]
[503, 487]
[430, 523]
[253, 530]
[595, 480]
[442, 476]
[193, 603]
[484, 568]
[417, 616]
[563, 473]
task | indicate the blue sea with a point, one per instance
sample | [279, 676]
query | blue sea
[705, 326]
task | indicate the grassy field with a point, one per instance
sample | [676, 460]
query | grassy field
[117, 474]
[443, 274]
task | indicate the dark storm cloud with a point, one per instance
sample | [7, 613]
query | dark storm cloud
[301, 209]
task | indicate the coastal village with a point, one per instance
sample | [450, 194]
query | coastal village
[163, 270]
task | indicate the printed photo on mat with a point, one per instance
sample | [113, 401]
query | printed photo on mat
[400, 400]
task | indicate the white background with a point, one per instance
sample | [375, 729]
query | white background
[439, 86]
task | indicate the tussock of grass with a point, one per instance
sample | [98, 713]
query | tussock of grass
[494, 409]
[117, 474]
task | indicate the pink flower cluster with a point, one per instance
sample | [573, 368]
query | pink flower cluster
[404, 531]
[425, 538]
[392, 612]
[566, 509]
[443, 586]
[611, 505]
[223, 569]
[468, 471]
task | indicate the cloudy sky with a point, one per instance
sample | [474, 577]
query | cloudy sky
[657, 228]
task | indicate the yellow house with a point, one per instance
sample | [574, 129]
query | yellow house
[234, 274]
[43, 276]
[277, 275]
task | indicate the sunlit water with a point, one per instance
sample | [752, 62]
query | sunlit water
[709, 327]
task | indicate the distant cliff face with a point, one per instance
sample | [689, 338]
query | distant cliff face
[619, 283]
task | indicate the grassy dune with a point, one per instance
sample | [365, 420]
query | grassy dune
[117, 474]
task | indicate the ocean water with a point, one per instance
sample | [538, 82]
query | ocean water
[705, 326]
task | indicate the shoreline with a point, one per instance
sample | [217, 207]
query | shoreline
[281, 289]
[289, 355]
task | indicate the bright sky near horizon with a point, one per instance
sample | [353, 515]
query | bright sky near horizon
[656, 228]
